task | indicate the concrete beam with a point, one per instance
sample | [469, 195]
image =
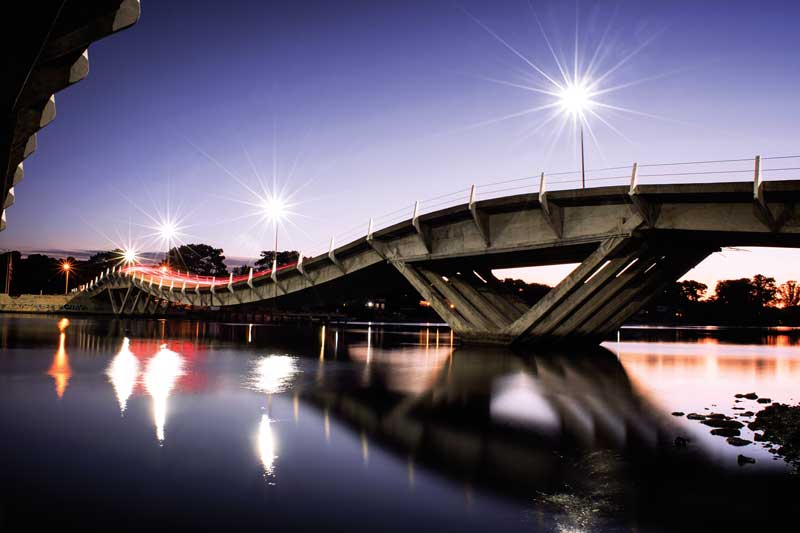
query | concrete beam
[481, 302]
[436, 301]
[475, 317]
[557, 294]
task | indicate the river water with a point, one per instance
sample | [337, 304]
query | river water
[120, 425]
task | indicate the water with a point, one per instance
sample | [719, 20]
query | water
[122, 425]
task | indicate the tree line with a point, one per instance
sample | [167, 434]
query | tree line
[759, 300]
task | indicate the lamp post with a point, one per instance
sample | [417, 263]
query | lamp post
[168, 231]
[274, 209]
[575, 99]
[66, 266]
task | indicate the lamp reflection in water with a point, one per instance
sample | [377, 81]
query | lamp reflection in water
[274, 372]
[266, 445]
[122, 372]
[272, 375]
[60, 370]
[160, 377]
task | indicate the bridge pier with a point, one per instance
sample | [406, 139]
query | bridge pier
[605, 290]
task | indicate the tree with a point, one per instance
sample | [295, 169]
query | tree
[241, 270]
[765, 291]
[98, 263]
[284, 258]
[735, 293]
[692, 291]
[789, 293]
[530, 293]
[201, 259]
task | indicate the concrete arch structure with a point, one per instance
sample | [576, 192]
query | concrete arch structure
[50, 52]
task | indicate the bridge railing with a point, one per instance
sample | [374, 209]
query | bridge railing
[772, 168]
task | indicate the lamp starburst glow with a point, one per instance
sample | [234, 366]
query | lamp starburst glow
[168, 231]
[576, 98]
[129, 257]
[274, 208]
[577, 94]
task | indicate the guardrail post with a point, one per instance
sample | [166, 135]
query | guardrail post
[230, 282]
[642, 206]
[759, 202]
[250, 278]
[424, 233]
[552, 213]
[480, 219]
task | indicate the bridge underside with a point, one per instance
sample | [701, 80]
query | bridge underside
[608, 287]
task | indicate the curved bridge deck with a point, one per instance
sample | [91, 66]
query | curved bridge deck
[630, 242]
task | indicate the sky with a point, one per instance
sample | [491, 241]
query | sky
[359, 108]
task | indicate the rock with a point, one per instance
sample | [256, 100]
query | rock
[681, 442]
[718, 416]
[736, 441]
[677, 413]
[695, 416]
[750, 396]
[725, 432]
[764, 400]
[716, 423]
[780, 425]
[744, 460]
[748, 413]
[758, 437]
[738, 408]
[740, 395]
[737, 401]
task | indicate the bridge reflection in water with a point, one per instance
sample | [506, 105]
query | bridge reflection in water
[572, 431]
[490, 418]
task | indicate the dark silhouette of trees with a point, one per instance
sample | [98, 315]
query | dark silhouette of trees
[201, 259]
[530, 293]
[36, 274]
[747, 294]
[241, 270]
[286, 257]
[789, 294]
[691, 291]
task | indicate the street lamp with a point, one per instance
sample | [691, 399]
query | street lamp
[168, 231]
[129, 257]
[66, 267]
[275, 209]
[574, 99]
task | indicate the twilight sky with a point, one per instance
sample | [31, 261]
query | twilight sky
[369, 106]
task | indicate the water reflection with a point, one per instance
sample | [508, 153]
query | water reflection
[160, 377]
[266, 445]
[59, 369]
[492, 416]
[123, 372]
[274, 373]
[560, 439]
[410, 370]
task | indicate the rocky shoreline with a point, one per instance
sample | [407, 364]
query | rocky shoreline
[777, 427]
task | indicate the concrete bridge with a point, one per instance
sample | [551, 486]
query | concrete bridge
[48, 50]
[631, 241]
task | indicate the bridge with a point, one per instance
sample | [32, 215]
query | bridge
[48, 51]
[630, 241]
